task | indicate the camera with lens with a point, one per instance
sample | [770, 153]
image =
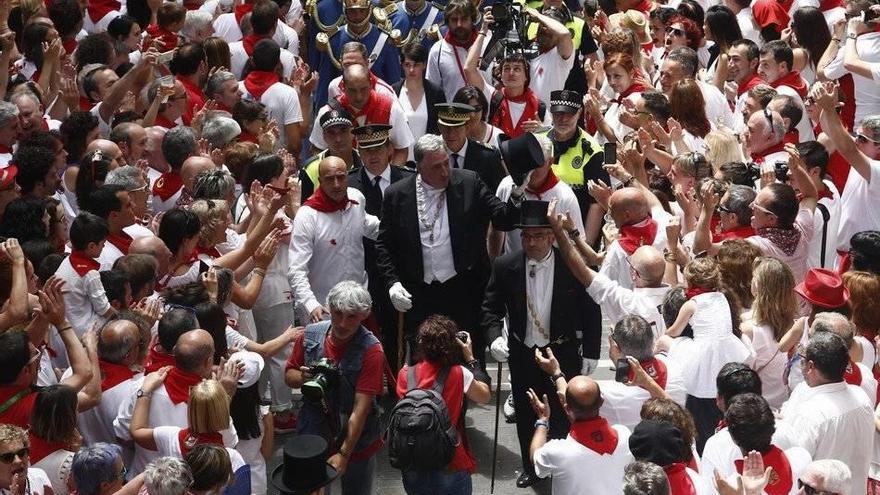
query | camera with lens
[781, 170]
[509, 34]
[325, 376]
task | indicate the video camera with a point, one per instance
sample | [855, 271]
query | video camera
[509, 34]
[325, 376]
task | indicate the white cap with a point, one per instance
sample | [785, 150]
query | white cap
[253, 367]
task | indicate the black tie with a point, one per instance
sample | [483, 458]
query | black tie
[376, 187]
[455, 160]
[373, 195]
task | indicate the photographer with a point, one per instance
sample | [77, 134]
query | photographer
[441, 347]
[341, 390]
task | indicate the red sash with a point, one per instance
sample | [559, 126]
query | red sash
[503, 119]
[321, 202]
[853, 374]
[449, 38]
[157, 359]
[736, 233]
[83, 264]
[633, 88]
[258, 81]
[249, 41]
[189, 440]
[195, 99]
[794, 81]
[377, 110]
[122, 241]
[750, 83]
[679, 481]
[656, 369]
[826, 5]
[178, 383]
[211, 252]
[167, 185]
[595, 434]
[550, 181]
[99, 8]
[780, 479]
[692, 292]
[113, 374]
[637, 235]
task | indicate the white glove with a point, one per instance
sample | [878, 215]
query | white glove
[525, 181]
[499, 349]
[588, 366]
[400, 298]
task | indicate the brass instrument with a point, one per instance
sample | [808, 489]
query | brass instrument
[322, 42]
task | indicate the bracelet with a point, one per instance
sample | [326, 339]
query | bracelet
[344, 453]
[542, 422]
[836, 40]
[628, 182]
[64, 328]
[557, 376]
[669, 256]
[481, 33]
[852, 36]
[574, 234]
[470, 364]
[259, 271]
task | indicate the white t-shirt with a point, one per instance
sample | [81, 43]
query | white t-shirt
[717, 108]
[830, 228]
[446, 66]
[282, 102]
[858, 205]
[239, 57]
[400, 134]
[548, 73]
[622, 403]
[770, 364]
[867, 91]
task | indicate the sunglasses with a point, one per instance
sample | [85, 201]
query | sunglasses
[809, 490]
[675, 31]
[724, 209]
[9, 457]
[177, 97]
[769, 118]
[139, 189]
[862, 139]
[755, 206]
[121, 475]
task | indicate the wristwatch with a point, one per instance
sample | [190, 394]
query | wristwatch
[141, 393]
[542, 422]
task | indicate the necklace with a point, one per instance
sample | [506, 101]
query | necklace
[535, 320]
[421, 207]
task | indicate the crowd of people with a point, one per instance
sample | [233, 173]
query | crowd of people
[227, 220]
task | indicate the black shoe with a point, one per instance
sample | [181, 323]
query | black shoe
[526, 480]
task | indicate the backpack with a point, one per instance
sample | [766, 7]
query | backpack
[420, 434]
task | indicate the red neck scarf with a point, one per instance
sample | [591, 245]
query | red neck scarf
[826, 193]
[249, 41]
[637, 235]
[168, 38]
[595, 434]
[794, 81]
[208, 251]
[656, 369]
[82, 263]
[503, 118]
[167, 185]
[41, 448]
[793, 136]
[243, 10]
[193, 89]
[449, 38]
[122, 241]
[178, 383]
[852, 375]
[163, 121]
[736, 233]
[85, 104]
[246, 137]
[189, 440]
[157, 359]
[826, 5]
[679, 481]
[113, 374]
[69, 45]
[748, 84]
[99, 8]
[550, 181]
[692, 292]
[780, 479]
[785, 239]
[258, 81]
[633, 88]
[761, 156]
[377, 110]
[321, 202]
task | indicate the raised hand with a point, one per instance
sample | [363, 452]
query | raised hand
[540, 406]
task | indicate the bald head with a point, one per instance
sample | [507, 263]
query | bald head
[153, 148]
[192, 167]
[155, 247]
[194, 352]
[650, 265]
[355, 73]
[110, 150]
[583, 398]
[628, 206]
[357, 85]
[118, 342]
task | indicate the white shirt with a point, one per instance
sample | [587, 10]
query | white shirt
[622, 404]
[57, 467]
[830, 228]
[798, 261]
[109, 255]
[168, 444]
[858, 204]
[747, 26]
[437, 258]
[446, 66]
[867, 91]
[770, 364]
[548, 73]
[804, 127]
[239, 57]
[37, 478]
[327, 248]
[577, 470]
[834, 421]
[416, 116]
[84, 299]
[282, 102]
[400, 134]
[96, 424]
[617, 302]
[717, 109]
[384, 178]
[560, 191]
[5, 158]
[539, 300]
[615, 265]
[612, 117]
[227, 27]
[798, 460]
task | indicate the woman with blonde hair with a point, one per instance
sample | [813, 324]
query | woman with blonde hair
[207, 415]
[722, 147]
[768, 325]
[864, 312]
[736, 258]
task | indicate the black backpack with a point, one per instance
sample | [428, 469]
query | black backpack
[420, 434]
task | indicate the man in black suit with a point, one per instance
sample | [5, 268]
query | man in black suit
[452, 119]
[432, 240]
[545, 305]
[375, 150]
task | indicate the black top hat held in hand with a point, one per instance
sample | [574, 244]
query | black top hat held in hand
[305, 467]
[533, 214]
[521, 155]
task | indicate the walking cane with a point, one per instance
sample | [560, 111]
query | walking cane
[400, 340]
[497, 409]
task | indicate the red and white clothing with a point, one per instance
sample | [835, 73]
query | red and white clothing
[370, 378]
[100, 13]
[400, 134]
[514, 111]
[175, 441]
[720, 451]
[281, 100]
[383, 88]
[622, 403]
[617, 302]
[446, 64]
[796, 90]
[116, 247]
[54, 458]
[22, 403]
[791, 247]
[590, 460]
[860, 375]
[747, 26]
[830, 199]
[457, 384]
[240, 52]
[717, 109]
[615, 108]
[742, 94]
[85, 302]
[118, 383]
[770, 364]
[787, 466]
[228, 27]
[38, 482]
[649, 231]
[858, 202]
[867, 91]
[548, 73]
[166, 190]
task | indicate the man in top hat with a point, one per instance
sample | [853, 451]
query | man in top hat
[577, 158]
[432, 240]
[452, 120]
[545, 306]
[335, 127]
[372, 179]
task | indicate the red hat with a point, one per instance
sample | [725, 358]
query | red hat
[823, 288]
[7, 177]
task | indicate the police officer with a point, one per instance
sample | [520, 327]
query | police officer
[336, 128]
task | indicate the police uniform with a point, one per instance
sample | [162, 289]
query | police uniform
[383, 55]
[423, 24]
[308, 175]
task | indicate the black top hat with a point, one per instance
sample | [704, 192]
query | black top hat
[305, 467]
[533, 214]
[453, 114]
[521, 155]
[372, 135]
[565, 100]
[656, 441]
[333, 117]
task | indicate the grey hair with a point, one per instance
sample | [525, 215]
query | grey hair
[213, 184]
[215, 82]
[643, 478]
[220, 130]
[349, 296]
[115, 350]
[836, 475]
[93, 465]
[427, 144]
[8, 111]
[872, 125]
[546, 146]
[739, 201]
[128, 177]
[835, 323]
[178, 144]
[778, 127]
[634, 337]
[354, 46]
[167, 476]
[195, 20]
[687, 58]
[24, 92]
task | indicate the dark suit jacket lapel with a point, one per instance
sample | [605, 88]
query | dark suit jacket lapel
[409, 210]
[455, 209]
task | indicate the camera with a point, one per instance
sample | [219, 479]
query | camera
[325, 376]
[781, 170]
[509, 34]
[462, 336]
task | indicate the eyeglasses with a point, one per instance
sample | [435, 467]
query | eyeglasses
[169, 307]
[862, 139]
[632, 268]
[177, 97]
[675, 31]
[724, 209]
[769, 117]
[9, 457]
[121, 475]
[809, 490]
[139, 189]
[756, 206]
